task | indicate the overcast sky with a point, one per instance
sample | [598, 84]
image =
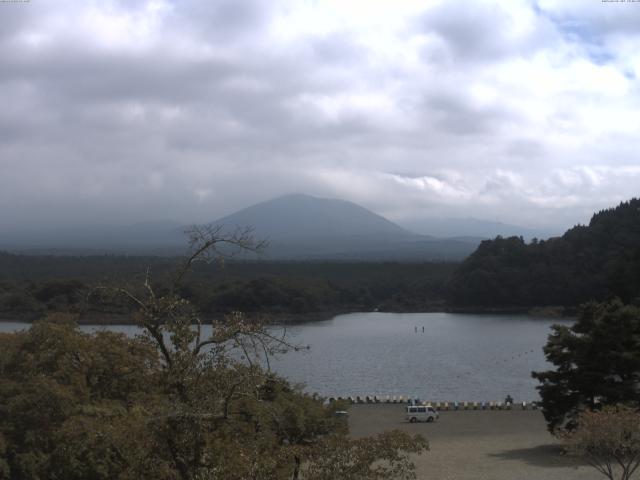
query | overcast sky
[122, 111]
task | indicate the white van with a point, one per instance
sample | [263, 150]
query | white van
[421, 413]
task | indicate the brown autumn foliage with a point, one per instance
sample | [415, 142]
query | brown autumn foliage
[609, 439]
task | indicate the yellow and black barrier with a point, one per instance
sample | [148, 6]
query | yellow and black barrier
[439, 405]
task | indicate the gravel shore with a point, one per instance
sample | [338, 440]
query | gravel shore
[478, 445]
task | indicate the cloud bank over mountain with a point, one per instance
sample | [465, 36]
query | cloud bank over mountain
[122, 111]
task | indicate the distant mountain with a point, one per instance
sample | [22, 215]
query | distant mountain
[305, 227]
[592, 262]
[473, 228]
[297, 216]
[297, 227]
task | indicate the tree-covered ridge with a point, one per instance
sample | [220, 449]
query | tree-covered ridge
[591, 262]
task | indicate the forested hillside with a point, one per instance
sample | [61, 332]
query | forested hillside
[32, 286]
[590, 262]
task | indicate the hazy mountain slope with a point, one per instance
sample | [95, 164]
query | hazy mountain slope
[306, 227]
[144, 237]
[299, 227]
[305, 217]
[472, 227]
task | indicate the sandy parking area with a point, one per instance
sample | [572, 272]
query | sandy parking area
[478, 445]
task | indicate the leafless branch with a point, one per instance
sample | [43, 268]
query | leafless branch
[204, 243]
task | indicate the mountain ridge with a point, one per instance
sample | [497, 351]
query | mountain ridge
[315, 216]
[451, 227]
[296, 226]
[304, 227]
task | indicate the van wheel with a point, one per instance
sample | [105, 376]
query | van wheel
[413, 419]
[430, 419]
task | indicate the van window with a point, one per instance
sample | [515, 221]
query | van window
[422, 409]
[413, 409]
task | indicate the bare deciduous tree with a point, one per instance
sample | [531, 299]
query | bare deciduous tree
[609, 439]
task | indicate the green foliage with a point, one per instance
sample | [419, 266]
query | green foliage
[65, 399]
[596, 360]
[587, 263]
[104, 406]
[171, 403]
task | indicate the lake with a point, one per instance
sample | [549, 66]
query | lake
[458, 357]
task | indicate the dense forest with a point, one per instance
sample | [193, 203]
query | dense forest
[32, 286]
[593, 262]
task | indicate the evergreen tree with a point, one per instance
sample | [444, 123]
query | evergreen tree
[597, 362]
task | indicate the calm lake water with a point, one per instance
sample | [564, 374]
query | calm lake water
[457, 358]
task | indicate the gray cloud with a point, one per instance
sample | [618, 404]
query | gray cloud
[128, 111]
[485, 31]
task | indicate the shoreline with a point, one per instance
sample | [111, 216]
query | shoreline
[319, 316]
[547, 311]
[127, 319]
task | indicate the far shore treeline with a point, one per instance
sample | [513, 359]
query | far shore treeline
[33, 286]
[593, 262]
